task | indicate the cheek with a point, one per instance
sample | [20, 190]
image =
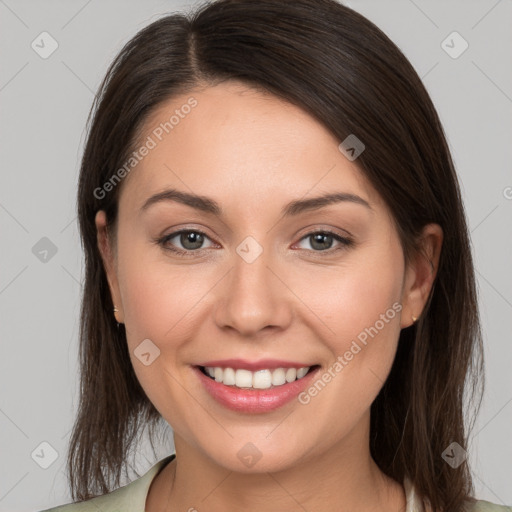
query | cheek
[360, 305]
[357, 308]
[159, 300]
[159, 297]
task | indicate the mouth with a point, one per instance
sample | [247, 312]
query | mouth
[257, 391]
[266, 378]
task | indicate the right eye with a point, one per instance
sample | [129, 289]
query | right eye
[191, 240]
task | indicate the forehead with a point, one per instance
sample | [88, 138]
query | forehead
[232, 141]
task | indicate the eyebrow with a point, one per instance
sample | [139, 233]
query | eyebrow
[207, 205]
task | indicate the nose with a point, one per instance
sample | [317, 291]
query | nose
[253, 298]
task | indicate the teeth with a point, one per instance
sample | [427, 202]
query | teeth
[261, 379]
[278, 377]
[301, 372]
[229, 377]
[291, 374]
[243, 378]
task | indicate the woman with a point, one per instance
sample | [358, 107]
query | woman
[278, 266]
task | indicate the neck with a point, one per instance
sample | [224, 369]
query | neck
[343, 478]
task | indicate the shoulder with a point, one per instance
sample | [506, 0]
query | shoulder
[129, 498]
[487, 506]
[107, 502]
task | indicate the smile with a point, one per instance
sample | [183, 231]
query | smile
[261, 379]
[260, 390]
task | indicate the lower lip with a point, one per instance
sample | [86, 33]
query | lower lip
[254, 400]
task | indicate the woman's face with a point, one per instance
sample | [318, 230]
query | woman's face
[267, 277]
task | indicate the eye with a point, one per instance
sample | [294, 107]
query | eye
[322, 241]
[189, 240]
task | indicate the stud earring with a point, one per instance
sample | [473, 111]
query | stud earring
[414, 318]
[115, 311]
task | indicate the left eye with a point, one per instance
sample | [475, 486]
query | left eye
[323, 240]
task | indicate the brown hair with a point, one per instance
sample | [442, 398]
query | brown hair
[344, 71]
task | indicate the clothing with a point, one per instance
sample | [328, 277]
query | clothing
[132, 497]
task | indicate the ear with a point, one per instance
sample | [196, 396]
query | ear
[109, 262]
[421, 273]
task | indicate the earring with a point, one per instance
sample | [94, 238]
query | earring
[414, 318]
[115, 311]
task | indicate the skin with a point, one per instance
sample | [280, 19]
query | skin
[254, 153]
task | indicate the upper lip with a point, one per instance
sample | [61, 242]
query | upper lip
[262, 364]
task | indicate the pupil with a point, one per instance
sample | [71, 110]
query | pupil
[191, 240]
[323, 240]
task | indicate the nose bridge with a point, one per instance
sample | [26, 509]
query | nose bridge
[253, 297]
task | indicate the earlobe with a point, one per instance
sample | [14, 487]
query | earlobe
[107, 255]
[421, 273]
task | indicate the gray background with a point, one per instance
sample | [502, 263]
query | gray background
[43, 109]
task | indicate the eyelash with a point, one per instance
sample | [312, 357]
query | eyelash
[344, 241]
